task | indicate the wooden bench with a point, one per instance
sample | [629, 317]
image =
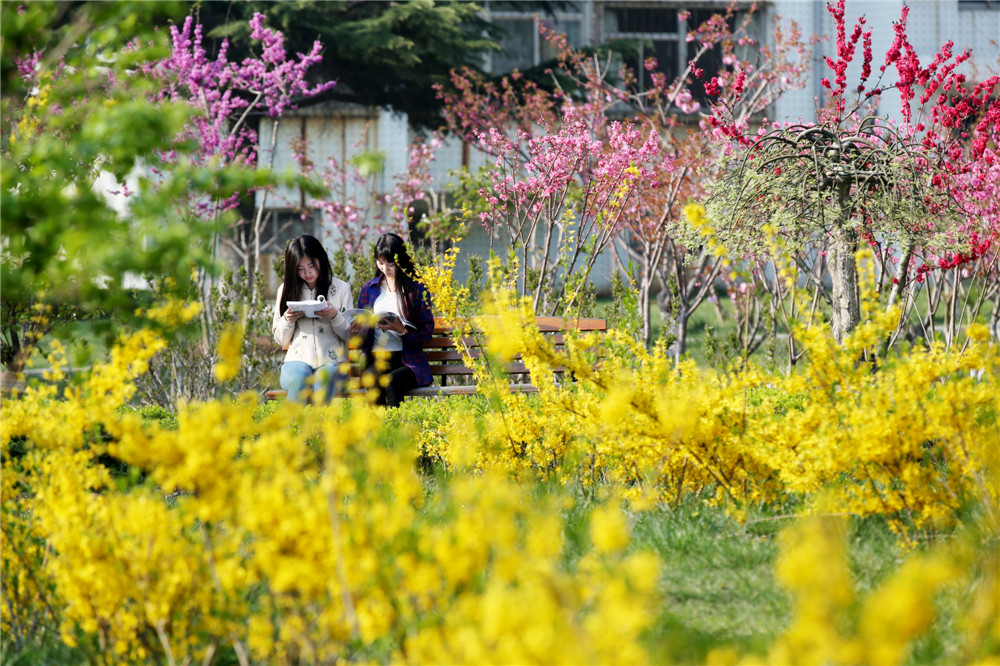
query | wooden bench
[452, 376]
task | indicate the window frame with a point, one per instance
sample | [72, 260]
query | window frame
[556, 21]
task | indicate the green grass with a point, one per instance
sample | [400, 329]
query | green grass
[45, 648]
[718, 586]
[718, 582]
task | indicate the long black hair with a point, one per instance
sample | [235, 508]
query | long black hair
[297, 250]
[391, 248]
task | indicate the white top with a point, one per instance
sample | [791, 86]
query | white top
[387, 301]
[315, 341]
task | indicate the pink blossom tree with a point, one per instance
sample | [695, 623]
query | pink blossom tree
[650, 231]
[561, 182]
[355, 221]
[562, 202]
[753, 74]
[224, 95]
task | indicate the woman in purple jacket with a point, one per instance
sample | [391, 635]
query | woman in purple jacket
[394, 289]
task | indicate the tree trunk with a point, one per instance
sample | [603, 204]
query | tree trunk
[644, 305]
[901, 273]
[995, 317]
[898, 285]
[844, 277]
[664, 303]
[680, 330]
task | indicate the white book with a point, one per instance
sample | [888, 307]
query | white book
[369, 318]
[309, 308]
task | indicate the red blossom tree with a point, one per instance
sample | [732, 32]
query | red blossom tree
[913, 188]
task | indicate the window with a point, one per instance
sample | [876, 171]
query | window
[976, 5]
[518, 44]
[523, 46]
[283, 225]
[661, 33]
[658, 33]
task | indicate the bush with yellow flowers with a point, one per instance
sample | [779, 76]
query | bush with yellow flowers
[349, 532]
[305, 535]
[912, 436]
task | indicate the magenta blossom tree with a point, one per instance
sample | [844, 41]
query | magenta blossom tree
[224, 95]
[224, 98]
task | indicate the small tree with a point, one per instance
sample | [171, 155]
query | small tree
[563, 205]
[353, 222]
[170, 129]
[223, 95]
[385, 54]
[75, 103]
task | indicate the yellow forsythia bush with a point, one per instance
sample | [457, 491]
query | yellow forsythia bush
[913, 437]
[309, 535]
[304, 536]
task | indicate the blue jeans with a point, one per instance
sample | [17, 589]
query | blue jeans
[302, 380]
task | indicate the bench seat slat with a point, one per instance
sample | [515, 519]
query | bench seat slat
[436, 391]
[510, 369]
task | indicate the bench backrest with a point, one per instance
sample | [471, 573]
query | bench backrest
[446, 359]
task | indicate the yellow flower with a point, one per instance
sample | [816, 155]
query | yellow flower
[230, 352]
[695, 214]
[608, 530]
[978, 332]
[174, 312]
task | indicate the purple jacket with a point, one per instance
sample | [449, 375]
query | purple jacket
[413, 340]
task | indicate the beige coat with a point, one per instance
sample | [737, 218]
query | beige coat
[315, 341]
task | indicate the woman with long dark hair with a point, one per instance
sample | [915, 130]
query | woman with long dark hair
[402, 339]
[316, 337]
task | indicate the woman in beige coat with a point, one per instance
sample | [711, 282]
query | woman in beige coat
[316, 337]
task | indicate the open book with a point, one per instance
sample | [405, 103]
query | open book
[309, 308]
[370, 319]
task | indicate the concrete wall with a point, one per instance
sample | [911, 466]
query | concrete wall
[930, 24]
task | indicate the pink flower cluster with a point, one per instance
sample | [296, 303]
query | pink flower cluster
[28, 67]
[223, 93]
[538, 184]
